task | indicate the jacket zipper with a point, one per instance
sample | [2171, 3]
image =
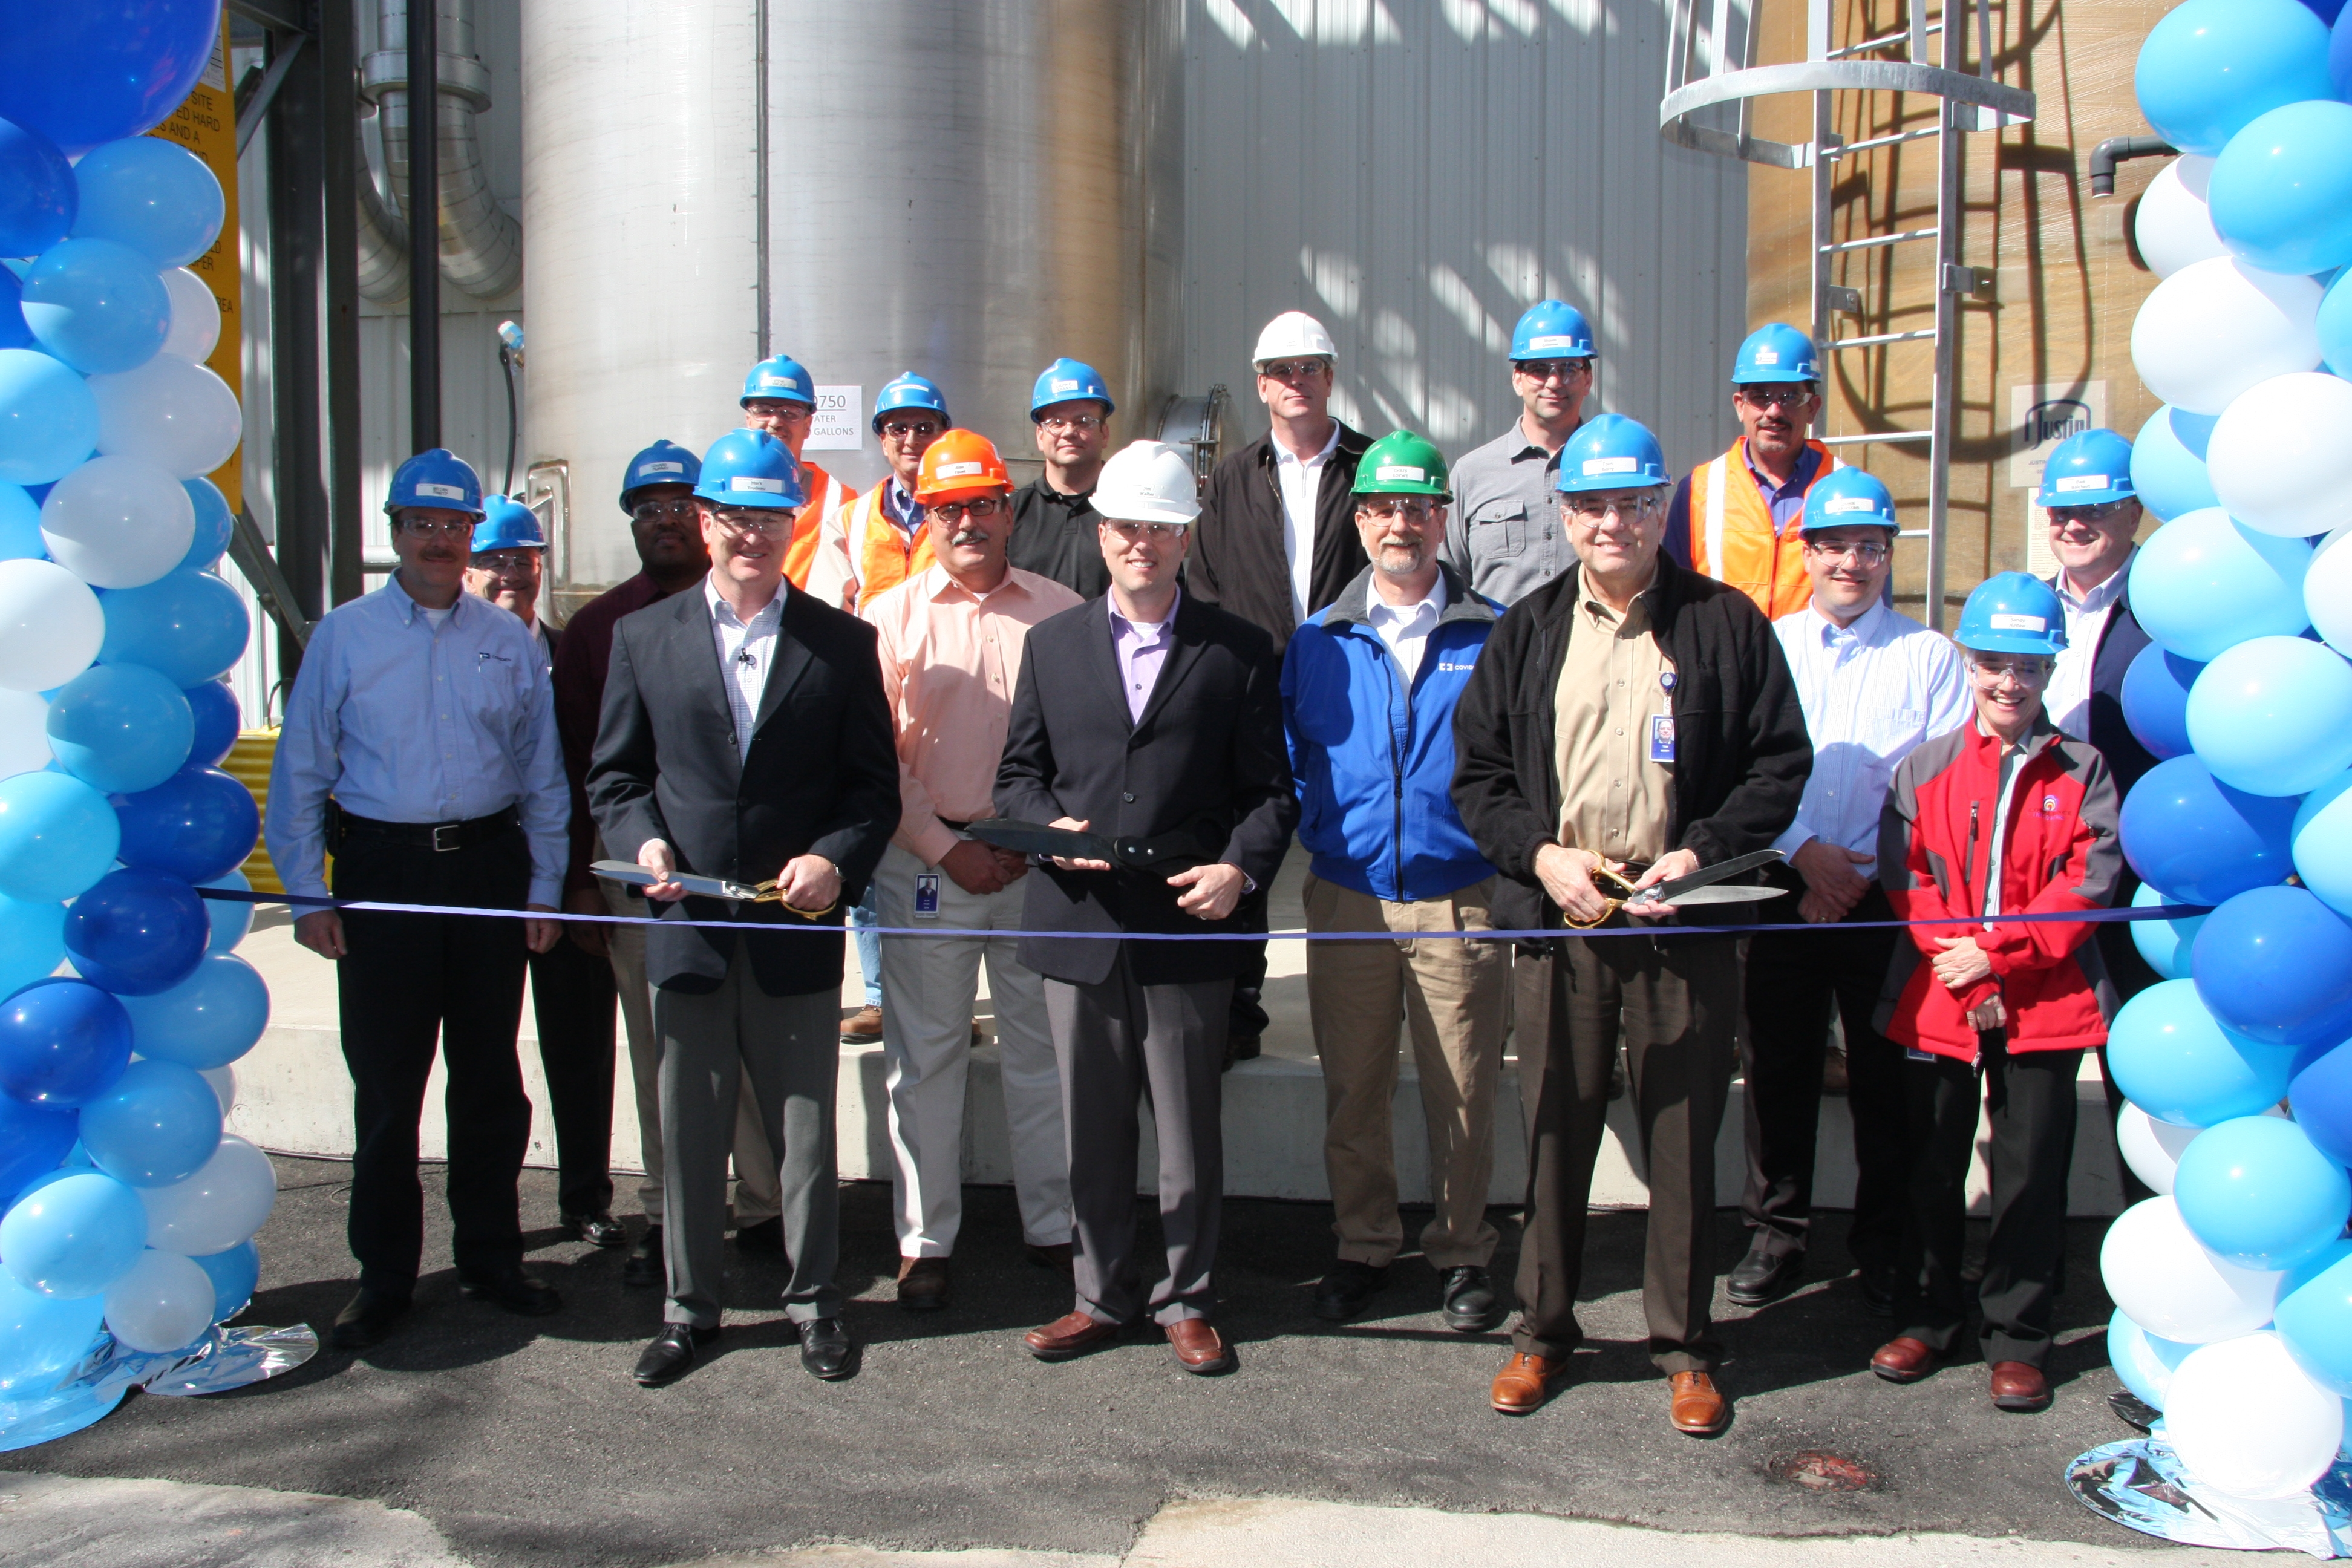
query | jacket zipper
[1396, 769]
[1969, 855]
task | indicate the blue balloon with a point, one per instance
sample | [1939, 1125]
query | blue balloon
[20, 521]
[2325, 10]
[63, 1042]
[195, 826]
[2173, 1060]
[2199, 841]
[2257, 1192]
[2164, 944]
[2322, 843]
[154, 195]
[158, 1124]
[216, 710]
[2339, 56]
[2321, 1096]
[33, 1138]
[137, 932]
[37, 193]
[98, 306]
[32, 942]
[2210, 67]
[13, 333]
[74, 1237]
[232, 917]
[2281, 192]
[43, 1340]
[96, 70]
[2144, 1363]
[2274, 965]
[2273, 715]
[2156, 699]
[2314, 1319]
[190, 626]
[123, 727]
[2336, 320]
[48, 418]
[2167, 463]
[214, 523]
[57, 837]
[2203, 583]
[208, 1020]
[234, 1274]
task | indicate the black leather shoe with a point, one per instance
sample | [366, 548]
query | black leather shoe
[598, 1229]
[671, 1355]
[367, 1321]
[1763, 1277]
[1470, 1304]
[644, 1265]
[765, 1235]
[515, 1291]
[1347, 1289]
[825, 1350]
[1878, 1292]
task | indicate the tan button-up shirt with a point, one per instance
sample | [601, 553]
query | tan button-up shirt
[1615, 683]
[949, 659]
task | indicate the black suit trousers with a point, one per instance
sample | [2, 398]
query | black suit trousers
[573, 999]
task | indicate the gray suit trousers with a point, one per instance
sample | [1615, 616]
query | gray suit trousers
[790, 1046]
[1116, 1042]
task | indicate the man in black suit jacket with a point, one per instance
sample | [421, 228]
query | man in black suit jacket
[744, 735]
[1145, 714]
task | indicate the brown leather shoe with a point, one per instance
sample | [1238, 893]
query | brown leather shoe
[2019, 1385]
[1199, 1349]
[1056, 1256]
[1074, 1333]
[1698, 1408]
[863, 1028]
[1904, 1360]
[1526, 1381]
[923, 1284]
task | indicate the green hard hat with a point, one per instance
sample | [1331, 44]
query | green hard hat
[1402, 464]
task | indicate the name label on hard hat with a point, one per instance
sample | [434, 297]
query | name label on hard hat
[2002, 622]
[1612, 466]
[444, 492]
[1553, 342]
[956, 470]
[753, 482]
[1066, 386]
[1849, 503]
[1401, 472]
[1767, 356]
[663, 467]
[2068, 483]
[778, 381]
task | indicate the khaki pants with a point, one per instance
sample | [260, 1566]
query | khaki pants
[1454, 995]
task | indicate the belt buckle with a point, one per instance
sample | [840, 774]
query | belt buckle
[440, 846]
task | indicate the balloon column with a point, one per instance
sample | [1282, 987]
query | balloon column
[126, 1216]
[2234, 1285]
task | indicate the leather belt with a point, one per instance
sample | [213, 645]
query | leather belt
[443, 837]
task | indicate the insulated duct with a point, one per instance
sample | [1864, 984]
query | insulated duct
[481, 246]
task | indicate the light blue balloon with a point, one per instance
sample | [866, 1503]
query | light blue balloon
[48, 419]
[231, 918]
[42, 1339]
[2256, 1191]
[122, 727]
[2164, 944]
[2273, 715]
[189, 626]
[2322, 837]
[98, 306]
[2281, 192]
[2314, 1319]
[2203, 584]
[2144, 1363]
[75, 1236]
[158, 1124]
[234, 1274]
[20, 525]
[57, 837]
[214, 523]
[2335, 323]
[151, 194]
[2168, 464]
[208, 1020]
[2175, 1061]
[2210, 66]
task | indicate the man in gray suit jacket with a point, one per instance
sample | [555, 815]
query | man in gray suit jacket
[744, 736]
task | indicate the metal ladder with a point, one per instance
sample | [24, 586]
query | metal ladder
[1712, 83]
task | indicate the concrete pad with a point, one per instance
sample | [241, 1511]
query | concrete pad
[868, 1557]
[64, 1522]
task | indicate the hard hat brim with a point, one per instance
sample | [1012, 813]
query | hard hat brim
[1566, 486]
[2045, 499]
[1772, 378]
[766, 499]
[1037, 410]
[1429, 492]
[1151, 514]
[749, 398]
[963, 492]
[2048, 644]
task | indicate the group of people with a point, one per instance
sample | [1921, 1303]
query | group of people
[1511, 694]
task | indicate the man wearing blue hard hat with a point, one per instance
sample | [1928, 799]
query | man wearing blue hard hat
[2006, 815]
[1628, 720]
[1503, 534]
[1054, 525]
[887, 540]
[420, 749]
[780, 397]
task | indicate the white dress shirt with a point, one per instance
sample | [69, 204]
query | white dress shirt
[1300, 481]
[1406, 628]
[1872, 691]
[2068, 697]
[745, 652]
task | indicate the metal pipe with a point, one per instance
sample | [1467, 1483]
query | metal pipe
[1943, 407]
[382, 239]
[2115, 150]
[480, 244]
[344, 170]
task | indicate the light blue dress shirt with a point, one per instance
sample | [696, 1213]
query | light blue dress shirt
[403, 722]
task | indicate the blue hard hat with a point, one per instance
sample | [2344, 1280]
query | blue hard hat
[2012, 612]
[1776, 352]
[907, 390]
[662, 463]
[438, 478]
[1552, 329]
[781, 377]
[1848, 498]
[1611, 452]
[507, 524]
[751, 468]
[2088, 468]
[1064, 381]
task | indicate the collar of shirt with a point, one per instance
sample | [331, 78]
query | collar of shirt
[899, 504]
[1868, 628]
[1808, 461]
[410, 609]
[2099, 598]
[1144, 632]
[938, 585]
[1382, 615]
[1637, 609]
[1047, 492]
[770, 614]
[1285, 457]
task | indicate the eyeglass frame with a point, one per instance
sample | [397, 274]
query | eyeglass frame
[958, 510]
[1425, 509]
[1650, 504]
[1289, 370]
[1860, 548]
[683, 507]
[2091, 513]
[1769, 394]
[769, 522]
[1155, 533]
[421, 528]
[908, 430]
[1985, 674]
[1543, 371]
[1060, 423]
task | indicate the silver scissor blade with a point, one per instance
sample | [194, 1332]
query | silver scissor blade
[637, 876]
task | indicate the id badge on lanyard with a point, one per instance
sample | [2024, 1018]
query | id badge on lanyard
[1662, 725]
[927, 895]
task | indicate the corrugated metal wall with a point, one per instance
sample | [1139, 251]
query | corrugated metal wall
[1416, 172]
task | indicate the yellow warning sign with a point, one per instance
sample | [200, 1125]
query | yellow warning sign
[206, 124]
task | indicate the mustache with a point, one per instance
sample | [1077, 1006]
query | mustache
[968, 536]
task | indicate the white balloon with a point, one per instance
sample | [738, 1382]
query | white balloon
[2167, 1282]
[223, 1082]
[2327, 591]
[118, 523]
[24, 733]
[163, 1304]
[2248, 1421]
[224, 1202]
[50, 624]
[2281, 455]
[2218, 327]
[2151, 1148]
[196, 316]
[175, 413]
[2173, 228]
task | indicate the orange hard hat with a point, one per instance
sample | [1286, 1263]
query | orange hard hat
[961, 462]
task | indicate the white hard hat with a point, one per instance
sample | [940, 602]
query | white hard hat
[1291, 334]
[1148, 481]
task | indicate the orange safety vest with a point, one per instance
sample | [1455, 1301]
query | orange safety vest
[885, 554]
[1732, 537]
[816, 538]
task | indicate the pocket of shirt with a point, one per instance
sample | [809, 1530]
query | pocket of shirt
[1502, 531]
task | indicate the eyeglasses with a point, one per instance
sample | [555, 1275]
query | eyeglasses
[1866, 554]
[775, 408]
[502, 562]
[979, 511]
[425, 528]
[663, 510]
[1779, 395]
[1596, 510]
[1991, 669]
[913, 429]
[745, 521]
[1062, 424]
[1293, 369]
[1157, 532]
[1387, 509]
[2101, 511]
[1541, 370]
